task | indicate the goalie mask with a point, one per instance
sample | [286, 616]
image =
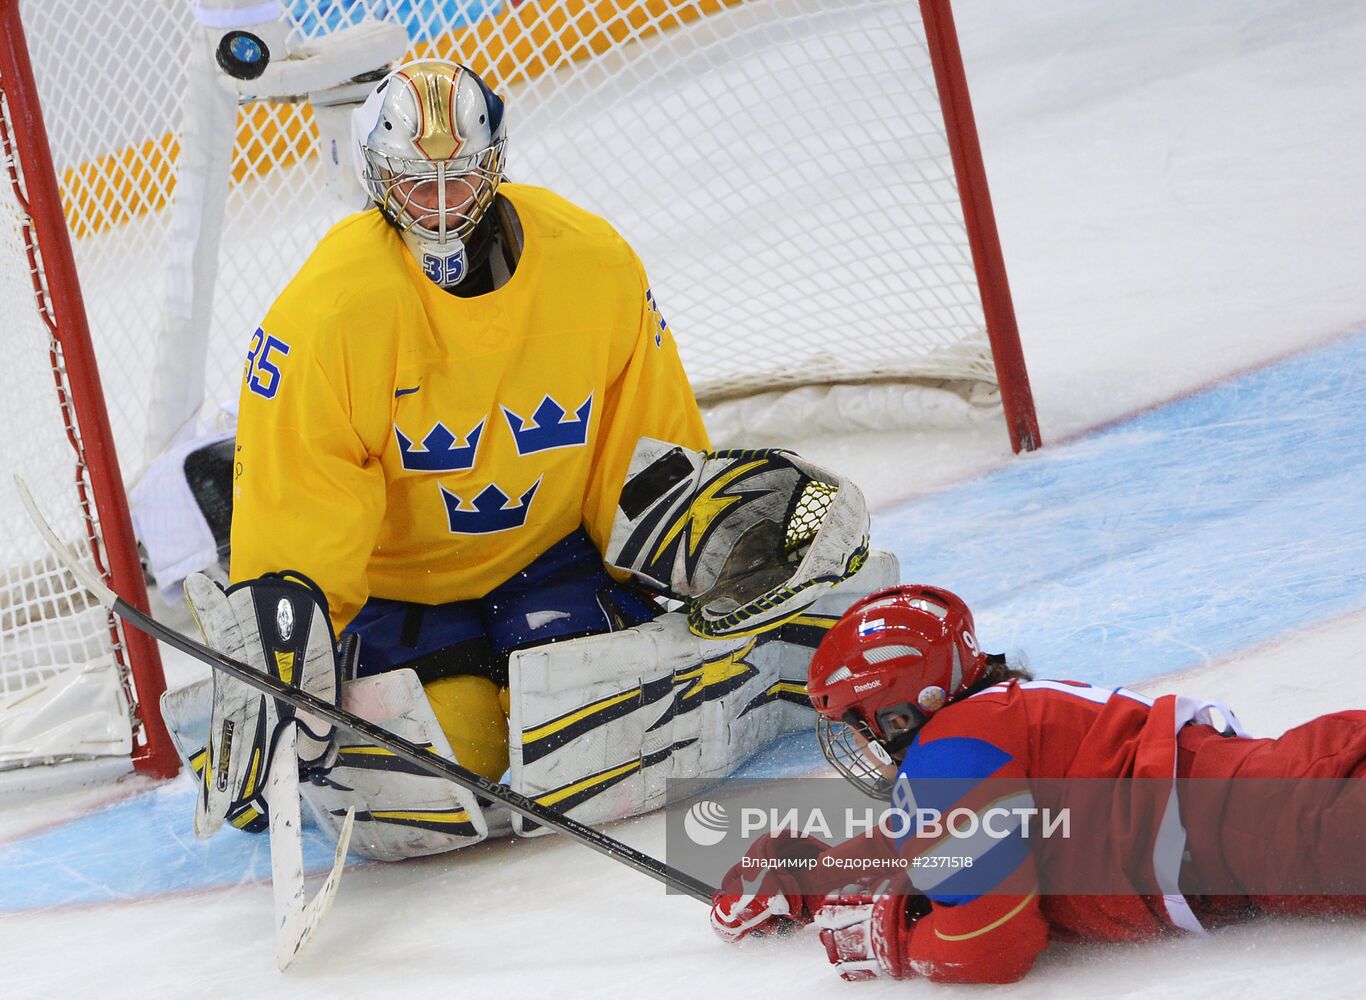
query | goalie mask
[890, 662]
[429, 146]
[749, 539]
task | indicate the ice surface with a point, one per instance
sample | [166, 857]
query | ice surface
[1178, 189]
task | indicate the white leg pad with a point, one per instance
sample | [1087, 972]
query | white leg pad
[187, 712]
[400, 812]
[598, 725]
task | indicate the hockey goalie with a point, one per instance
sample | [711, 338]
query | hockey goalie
[473, 500]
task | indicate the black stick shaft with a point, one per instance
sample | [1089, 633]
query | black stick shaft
[417, 756]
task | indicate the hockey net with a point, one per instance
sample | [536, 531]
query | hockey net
[782, 167]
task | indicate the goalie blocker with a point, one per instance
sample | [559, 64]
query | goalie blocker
[279, 625]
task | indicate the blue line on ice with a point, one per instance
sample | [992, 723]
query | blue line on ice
[1214, 524]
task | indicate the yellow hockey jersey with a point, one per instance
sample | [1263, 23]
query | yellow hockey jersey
[399, 441]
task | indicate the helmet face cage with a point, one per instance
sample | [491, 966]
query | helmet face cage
[856, 763]
[431, 144]
[394, 181]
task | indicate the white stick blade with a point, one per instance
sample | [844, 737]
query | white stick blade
[83, 574]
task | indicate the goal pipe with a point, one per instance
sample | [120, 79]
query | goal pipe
[154, 754]
[1016, 398]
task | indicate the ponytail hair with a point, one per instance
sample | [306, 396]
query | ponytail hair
[1000, 669]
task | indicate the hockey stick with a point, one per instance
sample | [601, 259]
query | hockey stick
[296, 917]
[399, 747]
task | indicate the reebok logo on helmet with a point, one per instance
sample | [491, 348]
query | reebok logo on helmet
[860, 688]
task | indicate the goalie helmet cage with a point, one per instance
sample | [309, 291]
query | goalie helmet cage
[801, 178]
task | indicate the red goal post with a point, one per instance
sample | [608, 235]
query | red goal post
[1017, 401]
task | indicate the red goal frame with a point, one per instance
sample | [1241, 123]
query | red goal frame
[97, 477]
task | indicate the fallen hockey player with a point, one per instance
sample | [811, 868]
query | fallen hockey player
[1177, 823]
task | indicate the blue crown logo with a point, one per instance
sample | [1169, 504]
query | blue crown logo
[491, 512]
[438, 453]
[548, 427]
[654, 308]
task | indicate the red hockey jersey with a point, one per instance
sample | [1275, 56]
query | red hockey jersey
[1260, 849]
[989, 921]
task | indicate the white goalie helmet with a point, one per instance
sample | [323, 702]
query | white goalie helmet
[429, 151]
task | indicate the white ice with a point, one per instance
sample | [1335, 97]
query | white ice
[1179, 193]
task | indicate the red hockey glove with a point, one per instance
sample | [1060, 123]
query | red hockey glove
[768, 902]
[865, 936]
[759, 896]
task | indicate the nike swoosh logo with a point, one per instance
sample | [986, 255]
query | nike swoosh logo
[406, 392]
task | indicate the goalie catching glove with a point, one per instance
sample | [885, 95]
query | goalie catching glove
[277, 624]
[747, 538]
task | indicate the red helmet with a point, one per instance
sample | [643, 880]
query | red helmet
[893, 660]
